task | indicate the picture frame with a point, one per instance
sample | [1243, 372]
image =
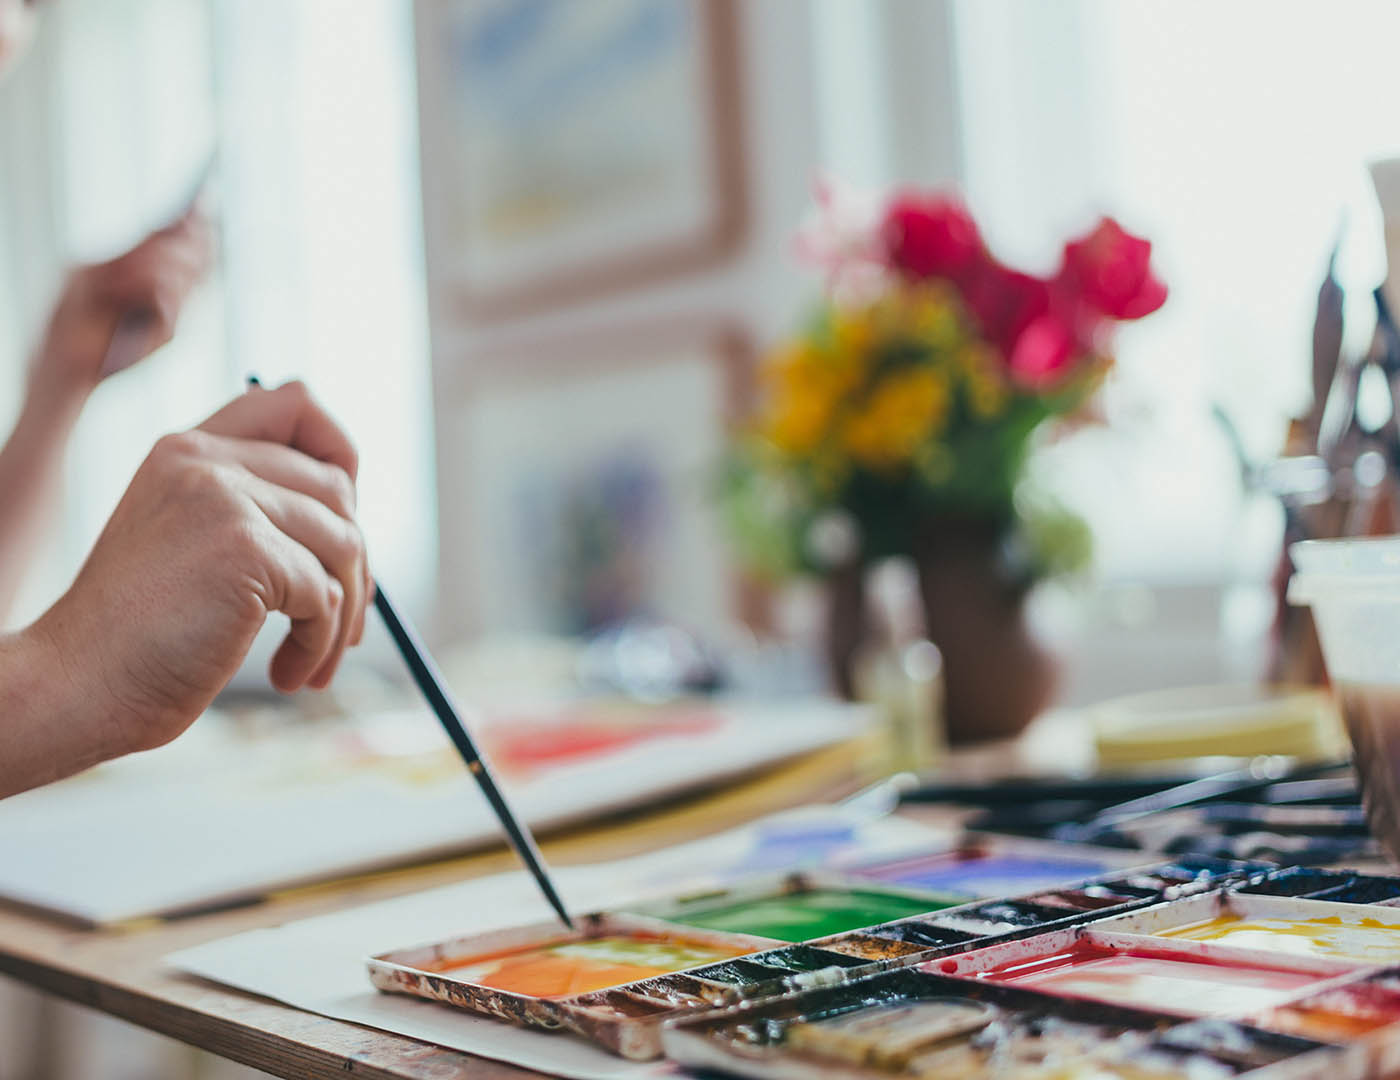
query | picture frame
[609, 441]
[571, 150]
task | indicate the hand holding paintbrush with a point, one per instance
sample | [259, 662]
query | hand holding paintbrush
[434, 689]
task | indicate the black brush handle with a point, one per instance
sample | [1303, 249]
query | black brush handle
[430, 682]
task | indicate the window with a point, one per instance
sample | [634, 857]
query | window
[1236, 136]
[311, 107]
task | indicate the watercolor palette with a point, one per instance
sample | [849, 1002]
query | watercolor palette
[623, 976]
[905, 1025]
[1320, 969]
[615, 980]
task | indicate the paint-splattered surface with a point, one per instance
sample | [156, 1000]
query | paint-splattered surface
[1365, 940]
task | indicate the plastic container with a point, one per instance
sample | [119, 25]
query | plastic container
[1353, 588]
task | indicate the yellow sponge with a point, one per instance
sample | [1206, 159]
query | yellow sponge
[1234, 720]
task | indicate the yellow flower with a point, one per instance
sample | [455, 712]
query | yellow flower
[807, 385]
[853, 334]
[901, 413]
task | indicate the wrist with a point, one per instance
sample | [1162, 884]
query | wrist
[50, 725]
[52, 396]
[59, 647]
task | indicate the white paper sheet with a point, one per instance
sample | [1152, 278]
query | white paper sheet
[318, 964]
[209, 820]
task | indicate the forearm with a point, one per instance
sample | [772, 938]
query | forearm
[48, 728]
[31, 464]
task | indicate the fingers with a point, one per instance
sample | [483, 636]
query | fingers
[290, 416]
[300, 588]
[315, 647]
[303, 468]
[172, 260]
[281, 465]
[331, 487]
[153, 281]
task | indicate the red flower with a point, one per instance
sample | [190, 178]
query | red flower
[1004, 302]
[1043, 352]
[1109, 271]
[930, 236]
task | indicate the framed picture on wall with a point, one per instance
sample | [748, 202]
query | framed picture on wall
[574, 148]
[576, 483]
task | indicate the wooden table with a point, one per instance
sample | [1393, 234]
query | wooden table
[119, 971]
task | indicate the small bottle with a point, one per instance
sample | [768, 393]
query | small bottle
[900, 673]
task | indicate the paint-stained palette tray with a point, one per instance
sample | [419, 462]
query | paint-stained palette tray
[1184, 977]
[1308, 967]
[544, 977]
[908, 1024]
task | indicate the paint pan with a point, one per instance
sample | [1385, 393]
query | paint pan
[1183, 977]
[1358, 934]
[901, 1025]
[797, 907]
[984, 872]
[1365, 1012]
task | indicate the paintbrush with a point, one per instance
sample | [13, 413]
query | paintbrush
[425, 673]
[430, 682]
[1259, 773]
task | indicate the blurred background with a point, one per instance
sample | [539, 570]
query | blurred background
[529, 252]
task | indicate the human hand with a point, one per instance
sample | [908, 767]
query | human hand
[148, 285]
[249, 513]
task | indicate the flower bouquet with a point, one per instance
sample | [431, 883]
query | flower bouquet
[900, 418]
